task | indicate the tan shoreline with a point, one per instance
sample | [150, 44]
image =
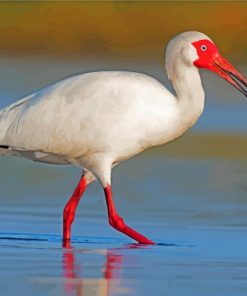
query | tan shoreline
[117, 28]
[194, 145]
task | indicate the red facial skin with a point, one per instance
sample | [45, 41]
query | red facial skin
[211, 59]
[205, 57]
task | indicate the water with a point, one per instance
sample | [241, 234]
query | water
[189, 197]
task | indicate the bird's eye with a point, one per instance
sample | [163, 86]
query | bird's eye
[203, 47]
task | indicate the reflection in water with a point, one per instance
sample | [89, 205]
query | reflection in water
[69, 273]
[108, 284]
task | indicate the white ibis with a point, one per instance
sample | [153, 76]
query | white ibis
[97, 120]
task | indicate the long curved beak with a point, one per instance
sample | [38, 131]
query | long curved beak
[229, 73]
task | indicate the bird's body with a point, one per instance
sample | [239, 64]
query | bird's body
[97, 120]
[113, 115]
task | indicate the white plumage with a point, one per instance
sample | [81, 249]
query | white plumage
[96, 120]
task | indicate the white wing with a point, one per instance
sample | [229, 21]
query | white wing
[112, 112]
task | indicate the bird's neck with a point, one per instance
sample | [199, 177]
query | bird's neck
[187, 84]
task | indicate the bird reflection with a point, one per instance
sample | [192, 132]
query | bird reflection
[111, 277]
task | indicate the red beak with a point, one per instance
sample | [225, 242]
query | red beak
[229, 73]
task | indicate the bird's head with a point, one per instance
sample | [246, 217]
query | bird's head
[195, 49]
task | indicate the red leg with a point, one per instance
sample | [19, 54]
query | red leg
[70, 209]
[118, 223]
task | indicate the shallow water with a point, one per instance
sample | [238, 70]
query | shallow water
[189, 197]
[195, 209]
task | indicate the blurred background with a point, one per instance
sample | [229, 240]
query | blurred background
[116, 29]
[189, 196]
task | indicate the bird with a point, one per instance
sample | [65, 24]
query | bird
[99, 119]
